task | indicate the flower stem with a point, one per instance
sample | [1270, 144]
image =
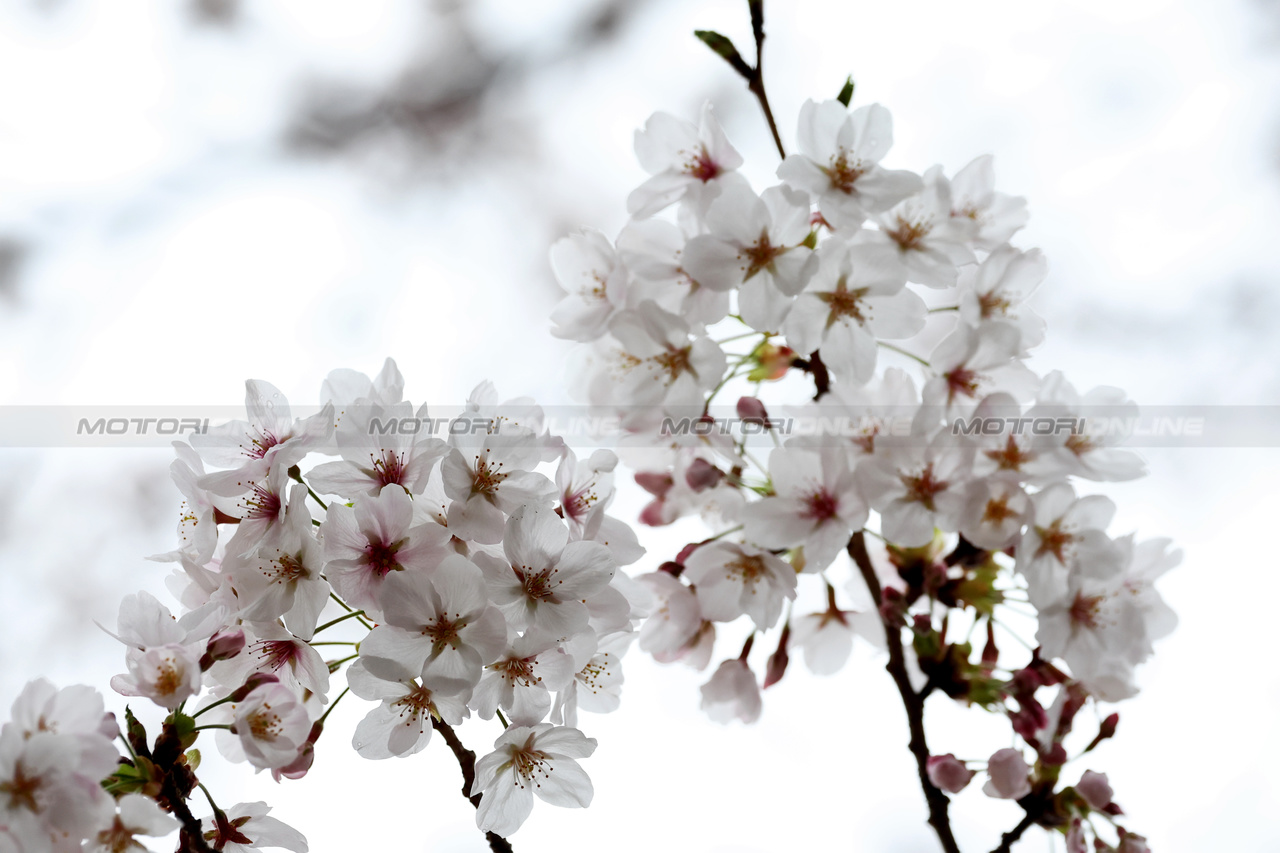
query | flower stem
[911, 701]
[354, 614]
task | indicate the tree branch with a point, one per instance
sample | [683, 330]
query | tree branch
[911, 701]
[1007, 840]
[753, 75]
[467, 763]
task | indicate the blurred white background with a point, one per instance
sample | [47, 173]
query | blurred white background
[195, 193]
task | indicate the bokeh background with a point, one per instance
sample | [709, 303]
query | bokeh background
[194, 192]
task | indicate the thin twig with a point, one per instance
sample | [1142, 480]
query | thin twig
[467, 762]
[1007, 840]
[911, 701]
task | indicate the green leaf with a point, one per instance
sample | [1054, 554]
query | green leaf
[722, 46]
[185, 727]
[846, 93]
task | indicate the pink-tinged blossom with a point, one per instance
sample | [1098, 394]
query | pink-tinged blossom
[375, 539]
[948, 773]
[271, 649]
[916, 489]
[996, 216]
[526, 760]
[815, 505]
[686, 162]
[653, 251]
[262, 507]
[1009, 774]
[856, 296]
[675, 621]
[1096, 789]
[732, 692]
[381, 445]
[732, 580]
[284, 581]
[401, 723]
[522, 679]
[754, 244]
[271, 725]
[595, 283]
[1065, 538]
[251, 828]
[838, 162]
[996, 291]
[929, 244]
[545, 579]
[271, 438]
[586, 490]
[163, 655]
[439, 623]
[136, 815]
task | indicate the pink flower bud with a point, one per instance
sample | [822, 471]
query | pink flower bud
[702, 475]
[1095, 789]
[655, 483]
[750, 409]
[948, 773]
[222, 646]
[1010, 775]
[251, 683]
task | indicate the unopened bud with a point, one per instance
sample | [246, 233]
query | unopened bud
[751, 410]
[948, 773]
[252, 683]
[701, 474]
[222, 646]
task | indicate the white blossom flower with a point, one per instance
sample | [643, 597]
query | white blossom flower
[438, 622]
[366, 543]
[595, 281]
[381, 445]
[1066, 537]
[136, 815]
[545, 579]
[686, 162]
[930, 243]
[732, 692]
[530, 760]
[816, 505]
[996, 291]
[271, 724]
[1010, 776]
[839, 162]
[522, 679]
[249, 827]
[857, 295]
[732, 580]
[973, 197]
[401, 724]
[653, 251]
[755, 244]
[916, 489]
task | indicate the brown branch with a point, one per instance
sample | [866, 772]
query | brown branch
[911, 701]
[1007, 840]
[467, 763]
[756, 81]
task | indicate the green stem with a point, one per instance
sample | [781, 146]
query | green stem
[354, 614]
[901, 351]
[333, 705]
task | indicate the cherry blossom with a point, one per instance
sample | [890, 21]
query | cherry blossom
[530, 760]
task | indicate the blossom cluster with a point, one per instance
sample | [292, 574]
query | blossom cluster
[903, 298]
[479, 579]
